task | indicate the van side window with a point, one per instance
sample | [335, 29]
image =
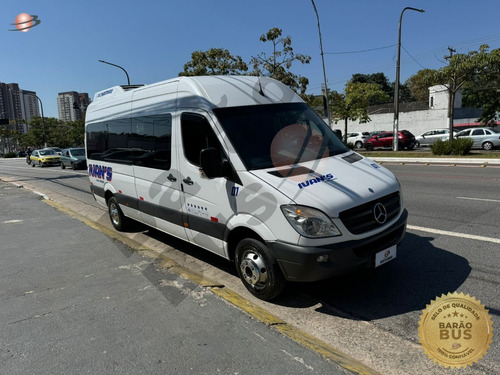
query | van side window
[142, 140]
[197, 134]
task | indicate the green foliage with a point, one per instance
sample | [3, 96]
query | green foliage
[9, 155]
[349, 145]
[481, 67]
[382, 81]
[54, 133]
[277, 65]
[353, 103]
[215, 61]
[461, 146]
[482, 90]
[419, 84]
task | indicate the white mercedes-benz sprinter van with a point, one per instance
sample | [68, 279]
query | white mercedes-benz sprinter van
[242, 167]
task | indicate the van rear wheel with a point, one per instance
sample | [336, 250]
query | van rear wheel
[258, 269]
[118, 219]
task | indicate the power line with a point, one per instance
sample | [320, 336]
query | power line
[409, 54]
[359, 51]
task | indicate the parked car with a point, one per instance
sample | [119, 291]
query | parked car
[385, 140]
[74, 158]
[487, 138]
[357, 138]
[377, 132]
[44, 157]
[431, 136]
[56, 149]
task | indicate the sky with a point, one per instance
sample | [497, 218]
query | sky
[153, 39]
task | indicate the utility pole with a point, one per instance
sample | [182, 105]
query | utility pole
[451, 96]
[395, 127]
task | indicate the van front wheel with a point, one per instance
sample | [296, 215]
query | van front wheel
[259, 269]
[118, 220]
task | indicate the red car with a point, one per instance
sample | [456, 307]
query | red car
[405, 139]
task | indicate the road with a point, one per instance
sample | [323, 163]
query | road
[452, 244]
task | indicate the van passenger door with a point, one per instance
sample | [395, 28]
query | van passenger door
[155, 174]
[207, 203]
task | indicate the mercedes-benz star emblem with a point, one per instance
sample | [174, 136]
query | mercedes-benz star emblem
[380, 213]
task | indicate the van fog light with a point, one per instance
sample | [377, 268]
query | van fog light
[322, 258]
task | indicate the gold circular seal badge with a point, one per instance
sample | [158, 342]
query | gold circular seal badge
[455, 330]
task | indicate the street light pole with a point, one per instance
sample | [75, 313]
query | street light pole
[396, 85]
[327, 109]
[43, 123]
[118, 66]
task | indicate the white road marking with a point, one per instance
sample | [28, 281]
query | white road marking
[12, 221]
[454, 234]
[480, 199]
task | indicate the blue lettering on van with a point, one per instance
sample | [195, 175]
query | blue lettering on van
[101, 172]
[315, 180]
[104, 93]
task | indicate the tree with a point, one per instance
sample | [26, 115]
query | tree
[483, 90]
[40, 132]
[352, 105]
[277, 65]
[76, 133]
[419, 84]
[464, 68]
[215, 61]
[378, 78]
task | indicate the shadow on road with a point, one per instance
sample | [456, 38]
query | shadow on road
[420, 273]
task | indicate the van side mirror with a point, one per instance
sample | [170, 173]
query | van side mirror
[210, 162]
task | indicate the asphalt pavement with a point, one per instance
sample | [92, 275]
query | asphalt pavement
[73, 301]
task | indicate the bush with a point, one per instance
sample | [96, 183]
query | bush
[460, 146]
[9, 155]
[350, 145]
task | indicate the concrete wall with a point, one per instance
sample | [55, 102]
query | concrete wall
[417, 121]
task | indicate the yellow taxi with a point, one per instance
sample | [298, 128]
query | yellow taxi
[44, 157]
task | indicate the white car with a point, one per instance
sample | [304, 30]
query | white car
[487, 138]
[431, 136]
[357, 138]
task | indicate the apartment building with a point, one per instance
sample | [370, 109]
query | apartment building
[71, 105]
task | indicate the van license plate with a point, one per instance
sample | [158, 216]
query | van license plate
[385, 256]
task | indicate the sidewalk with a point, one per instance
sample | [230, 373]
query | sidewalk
[74, 301]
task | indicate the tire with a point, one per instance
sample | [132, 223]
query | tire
[62, 165]
[358, 144]
[258, 269]
[417, 144]
[369, 147]
[487, 146]
[40, 164]
[120, 222]
[33, 165]
[73, 165]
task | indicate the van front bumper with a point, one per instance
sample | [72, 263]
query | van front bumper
[300, 263]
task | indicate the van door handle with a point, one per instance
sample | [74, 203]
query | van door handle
[188, 181]
[170, 177]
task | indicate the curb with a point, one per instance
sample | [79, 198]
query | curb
[439, 161]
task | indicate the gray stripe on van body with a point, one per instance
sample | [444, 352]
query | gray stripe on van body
[204, 226]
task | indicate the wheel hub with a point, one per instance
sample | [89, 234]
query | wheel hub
[253, 269]
[113, 213]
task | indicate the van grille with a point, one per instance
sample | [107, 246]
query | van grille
[361, 219]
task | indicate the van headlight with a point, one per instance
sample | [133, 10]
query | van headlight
[310, 222]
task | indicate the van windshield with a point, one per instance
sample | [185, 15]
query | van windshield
[275, 135]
